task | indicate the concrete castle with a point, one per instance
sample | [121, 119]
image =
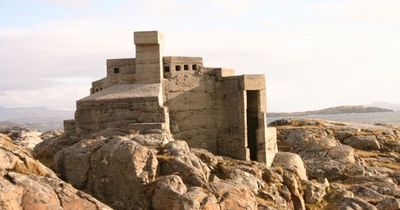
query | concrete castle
[209, 108]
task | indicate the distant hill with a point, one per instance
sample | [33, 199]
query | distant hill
[39, 118]
[333, 110]
[385, 105]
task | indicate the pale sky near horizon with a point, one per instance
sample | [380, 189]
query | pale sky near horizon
[316, 54]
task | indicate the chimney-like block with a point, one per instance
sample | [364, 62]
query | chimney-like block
[149, 56]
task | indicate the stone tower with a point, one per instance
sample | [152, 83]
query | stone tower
[149, 66]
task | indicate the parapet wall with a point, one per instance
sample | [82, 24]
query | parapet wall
[120, 66]
[122, 106]
[173, 66]
[119, 71]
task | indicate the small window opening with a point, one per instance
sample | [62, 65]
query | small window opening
[186, 67]
[97, 90]
[101, 88]
[194, 67]
[166, 68]
[177, 67]
[116, 70]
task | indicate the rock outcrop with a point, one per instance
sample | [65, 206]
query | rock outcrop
[23, 137]
[359, 162]
[27, 184]
[154, 171]
[320, 165]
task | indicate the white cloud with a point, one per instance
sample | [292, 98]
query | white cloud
[311, 66]
[373, 11]
[235, 6]
[76, 4]
[54, 97]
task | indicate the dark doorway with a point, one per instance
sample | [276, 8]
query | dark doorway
[252, 121]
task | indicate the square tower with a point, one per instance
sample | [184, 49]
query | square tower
[149, 66]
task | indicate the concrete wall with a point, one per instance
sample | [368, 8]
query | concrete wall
[194, 109]
[209, 111]
[233, 135]
[181, 65]
[92, 116]
[122, 106]
[119, 71]
[122, 66]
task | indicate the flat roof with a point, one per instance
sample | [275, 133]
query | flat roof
[136, 90]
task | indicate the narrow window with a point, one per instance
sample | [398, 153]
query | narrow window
[97, 90]
[186, 67]
[116, 70]
[166, 69]
[177, 67]
[194, 67]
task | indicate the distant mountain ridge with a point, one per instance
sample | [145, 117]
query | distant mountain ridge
[386, 105]
[38, 118]
[333, 110]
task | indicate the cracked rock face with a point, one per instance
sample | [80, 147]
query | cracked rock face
[113, 170]
[321, 165]
[24, 137]
[148, 171]
[361, 162]
[27, 184]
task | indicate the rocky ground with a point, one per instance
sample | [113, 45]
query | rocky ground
[321, 165]
[28, 138]
[27, 184]
[360, 162]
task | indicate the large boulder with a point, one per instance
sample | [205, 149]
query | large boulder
[342, 153]
[168, 193]
[233, 196]
[314, 192]
[171, 193]
[290, 161]
[362, 142]
[46, 150]
[178, 159]
[27, 184]
[294, 186]
[113, 170]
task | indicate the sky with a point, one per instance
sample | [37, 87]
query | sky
[316, 54]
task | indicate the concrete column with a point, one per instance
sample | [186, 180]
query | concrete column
[149, 66]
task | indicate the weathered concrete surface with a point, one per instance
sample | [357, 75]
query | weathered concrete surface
[121, 106]
[149, 66]
[194, 110]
